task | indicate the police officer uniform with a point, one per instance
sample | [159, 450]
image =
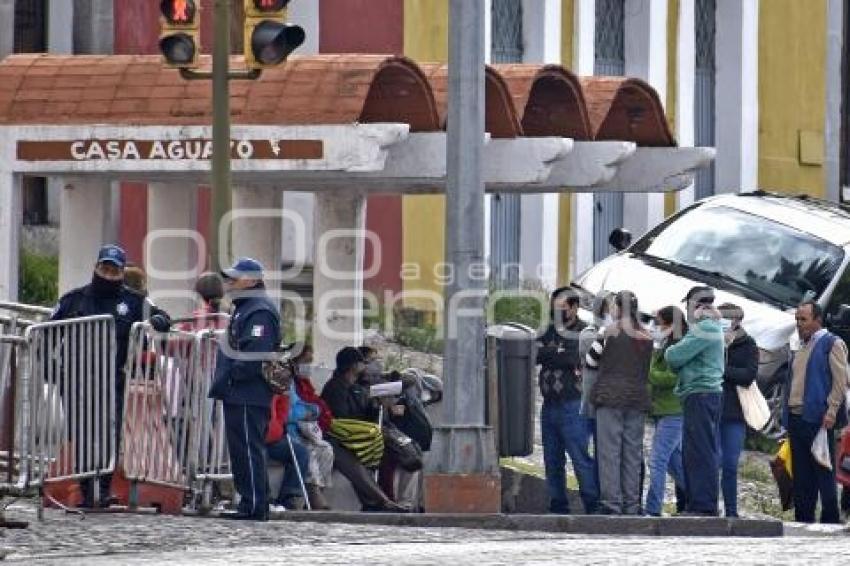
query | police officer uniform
[127, 307]
[252, 335]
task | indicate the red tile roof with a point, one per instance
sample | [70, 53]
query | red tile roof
[532, 100]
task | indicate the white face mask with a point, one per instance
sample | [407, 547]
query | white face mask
[305, 370]
[658, 334]
[608, 320]
[725, 324]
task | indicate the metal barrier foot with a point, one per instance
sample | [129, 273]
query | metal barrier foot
[60, 505]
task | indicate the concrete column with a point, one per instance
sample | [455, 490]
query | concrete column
[736, 164]
[298, 242]
[339, 225]
[7, 27]
[685, 82]
[11, 218]
[94, 26]
[832, 120]
[172, 246]
[646, 58]
[305, 13]
[584, 47]
[60, 27]
[541, 28]
[84, 212]
[256, 228]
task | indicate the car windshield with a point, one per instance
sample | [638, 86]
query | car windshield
[772, 259]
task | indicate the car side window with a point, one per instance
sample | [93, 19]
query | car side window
[841, 294]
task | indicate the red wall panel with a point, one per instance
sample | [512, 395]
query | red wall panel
[361, 26]
[371, 26]
[134, 220]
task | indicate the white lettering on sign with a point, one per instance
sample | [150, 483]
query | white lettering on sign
[165, 150]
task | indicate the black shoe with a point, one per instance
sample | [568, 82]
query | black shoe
[388, 507]
[240, 516]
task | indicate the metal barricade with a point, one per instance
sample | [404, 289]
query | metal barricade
[211, 461]
[159, 406]
[67, 411]
[21, 310]
[173, 434]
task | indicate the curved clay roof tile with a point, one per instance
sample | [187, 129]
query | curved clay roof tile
[549, 99]
[500, 115]
[626, 109]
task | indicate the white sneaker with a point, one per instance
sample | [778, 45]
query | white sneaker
[276, 508]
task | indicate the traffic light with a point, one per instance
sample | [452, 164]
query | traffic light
[268, 38]
[179, 41]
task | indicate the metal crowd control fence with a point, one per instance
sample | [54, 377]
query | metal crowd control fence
[58, 389]
[173, 434]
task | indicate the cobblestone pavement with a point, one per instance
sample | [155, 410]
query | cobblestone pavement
[138, 539]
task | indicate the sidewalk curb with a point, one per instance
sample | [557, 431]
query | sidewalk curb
[568, 524]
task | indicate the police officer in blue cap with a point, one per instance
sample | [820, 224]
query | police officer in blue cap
[252, 337]
[107, 294]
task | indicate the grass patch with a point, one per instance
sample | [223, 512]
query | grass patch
[38, 279]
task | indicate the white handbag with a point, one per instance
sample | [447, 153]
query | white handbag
[754, 405]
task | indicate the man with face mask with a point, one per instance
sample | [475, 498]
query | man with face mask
[107, 294]
[564, 429]
[252, 337]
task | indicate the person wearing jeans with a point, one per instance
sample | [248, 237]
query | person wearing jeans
[564, 429]
[666, 457]
[699, 360]
[742, 366]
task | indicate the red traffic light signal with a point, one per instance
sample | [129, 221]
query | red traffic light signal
[179, 39]
[270, 5]
[179, 12]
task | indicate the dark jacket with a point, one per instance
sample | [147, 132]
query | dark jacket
[126, 306]
[742, 367]
[624, 372]
[252, 335]
[348, 401]
[558, 355]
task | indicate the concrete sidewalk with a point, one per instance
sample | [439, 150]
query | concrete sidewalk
[569, 524]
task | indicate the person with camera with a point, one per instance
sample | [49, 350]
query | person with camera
[252, 337]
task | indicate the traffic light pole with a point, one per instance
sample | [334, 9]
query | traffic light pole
[222, 199]
[462, 465]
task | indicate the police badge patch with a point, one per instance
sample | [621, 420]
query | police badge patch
[122, 309]
[257, 331]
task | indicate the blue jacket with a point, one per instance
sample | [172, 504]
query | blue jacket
[254, 330]
[818, 382]
[699, 359]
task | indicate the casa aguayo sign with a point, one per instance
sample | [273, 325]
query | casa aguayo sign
[165, 150]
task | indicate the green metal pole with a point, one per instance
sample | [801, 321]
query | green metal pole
[221, 201]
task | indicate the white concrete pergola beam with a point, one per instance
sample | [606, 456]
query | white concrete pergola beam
[658, 170]
[589, 164]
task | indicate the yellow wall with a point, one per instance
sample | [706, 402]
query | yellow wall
[670, 200]
[426, 33]
[792, 66]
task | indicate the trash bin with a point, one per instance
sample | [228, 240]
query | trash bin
[511, 350]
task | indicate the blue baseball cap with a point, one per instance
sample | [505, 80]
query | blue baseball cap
[113, 254]
[245, 267]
